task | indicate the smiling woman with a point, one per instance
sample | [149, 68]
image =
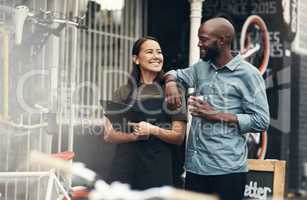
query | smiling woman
[143, 158]
[150, 60]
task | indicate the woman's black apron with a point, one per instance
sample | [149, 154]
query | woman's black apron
[148, 163]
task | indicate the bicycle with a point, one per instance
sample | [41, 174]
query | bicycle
[255, 47]
[46, 23]
[53, 182]
[42, 18]
[21, 181]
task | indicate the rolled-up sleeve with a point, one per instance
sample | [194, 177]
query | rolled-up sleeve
[244, 122]
[185, 76]
[255, 117]
[172, 73]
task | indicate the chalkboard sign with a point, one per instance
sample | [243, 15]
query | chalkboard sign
[266, 179]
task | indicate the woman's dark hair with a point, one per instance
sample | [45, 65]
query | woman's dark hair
[136, 71]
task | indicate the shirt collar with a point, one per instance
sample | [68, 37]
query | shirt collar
[233, 63]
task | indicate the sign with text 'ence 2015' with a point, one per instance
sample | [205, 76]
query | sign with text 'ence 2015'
[265, 179]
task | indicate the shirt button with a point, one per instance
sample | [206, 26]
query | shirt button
[216, 72]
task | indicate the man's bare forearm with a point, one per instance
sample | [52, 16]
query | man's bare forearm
[226, 117]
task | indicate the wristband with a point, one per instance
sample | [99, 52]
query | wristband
[171, 80]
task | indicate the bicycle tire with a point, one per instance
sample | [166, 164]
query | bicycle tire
[251, 21]
[264, 144]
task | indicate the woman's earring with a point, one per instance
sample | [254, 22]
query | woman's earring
[135, 60]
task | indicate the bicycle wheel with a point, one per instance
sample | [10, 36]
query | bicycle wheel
[257, 145]
[255, 42]
[263, 146]
[255, 47]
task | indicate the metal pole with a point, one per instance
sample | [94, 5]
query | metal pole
[105, 63]
[73, 79]
[5, 94]
[99, 70]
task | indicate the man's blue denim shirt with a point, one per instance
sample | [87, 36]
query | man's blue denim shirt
[216, 148]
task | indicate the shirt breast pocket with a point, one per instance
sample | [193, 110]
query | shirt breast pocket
[226, 96]
[205, 88]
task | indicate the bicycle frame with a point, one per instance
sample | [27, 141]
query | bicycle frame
[52, 185]
[245, 51]
[251, 51]
[21, 126]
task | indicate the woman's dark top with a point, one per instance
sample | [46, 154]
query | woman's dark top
[146, 163]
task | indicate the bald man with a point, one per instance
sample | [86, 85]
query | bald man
[232, 103]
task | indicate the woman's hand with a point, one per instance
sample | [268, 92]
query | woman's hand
[113, 136]
[138, 137]
[143, 128]
[108, 128]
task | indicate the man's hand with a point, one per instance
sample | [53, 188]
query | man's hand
[172, 94]
[200, 108]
